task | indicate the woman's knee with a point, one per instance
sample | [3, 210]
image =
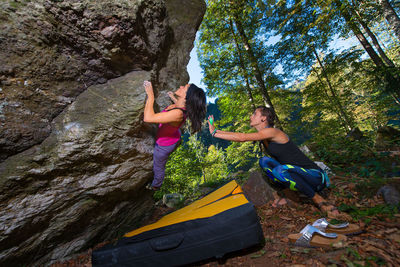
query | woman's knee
[278, 170]
[265, 162]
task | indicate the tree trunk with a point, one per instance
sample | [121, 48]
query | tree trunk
[257, 72]
[393, 87]
[342, 122]
[378, 47]
[373, 38]
[242, 65]
[348, 123]
[391, 16]
[360, 36]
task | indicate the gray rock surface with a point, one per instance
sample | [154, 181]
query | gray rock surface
[389, 194]
[75, 153]
[257, 190]
[173, 200]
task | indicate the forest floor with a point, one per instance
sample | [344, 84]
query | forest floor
[377, 245]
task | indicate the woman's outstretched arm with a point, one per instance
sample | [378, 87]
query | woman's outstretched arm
[266, 133]
[162, 117]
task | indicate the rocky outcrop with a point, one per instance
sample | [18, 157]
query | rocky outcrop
[75, 152]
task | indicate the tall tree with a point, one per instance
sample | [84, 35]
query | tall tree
[345, 12]
[391, 16]
[305, 29]
[254, 62]
[390, 78]
[360, 18]
[347, 122]
[233, 27]
[242, 64]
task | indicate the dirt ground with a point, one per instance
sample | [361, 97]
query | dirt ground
[377, 245]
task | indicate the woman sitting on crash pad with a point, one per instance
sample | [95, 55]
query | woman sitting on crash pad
[287, 166]
[190, 103]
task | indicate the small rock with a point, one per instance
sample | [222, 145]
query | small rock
[107, 32]
[390, 195]
[172, 200]
[102, 80]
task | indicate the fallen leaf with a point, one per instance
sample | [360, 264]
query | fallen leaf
[379, 252]
[268, 213]
[340, 244]
[392, 230]
[273, 254]
[395, 237]
[285, 218]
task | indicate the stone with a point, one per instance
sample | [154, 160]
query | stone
[257, 190]
[173, 200]
[75, 153]
[390, 195]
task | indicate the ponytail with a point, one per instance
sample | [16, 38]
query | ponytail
[195, 107]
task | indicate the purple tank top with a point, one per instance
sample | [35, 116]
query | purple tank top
[167, 134]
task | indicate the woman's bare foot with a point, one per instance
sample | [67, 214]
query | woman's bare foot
[279, 202]
[332, 212]
[329, 209]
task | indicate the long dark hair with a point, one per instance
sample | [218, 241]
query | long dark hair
[195, 107]
[267, 112]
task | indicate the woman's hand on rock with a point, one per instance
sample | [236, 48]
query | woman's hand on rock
[148, 88]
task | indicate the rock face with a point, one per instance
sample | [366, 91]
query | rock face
[75, 153]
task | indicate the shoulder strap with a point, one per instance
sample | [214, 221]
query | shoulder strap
[183, 110]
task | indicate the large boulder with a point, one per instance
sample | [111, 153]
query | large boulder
[257, 190]
[76, 153]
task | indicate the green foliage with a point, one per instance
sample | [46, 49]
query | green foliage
[326, 93]
[193, 165]
[215, 165]
[366, 214]
[333, 148]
